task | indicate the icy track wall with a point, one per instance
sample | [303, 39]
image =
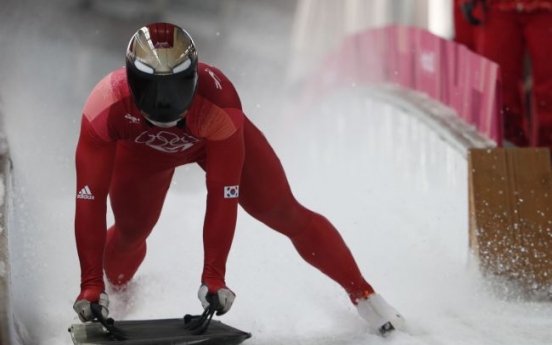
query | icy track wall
[5, 167]
[455, 92]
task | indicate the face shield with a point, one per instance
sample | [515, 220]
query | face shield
[161, 65]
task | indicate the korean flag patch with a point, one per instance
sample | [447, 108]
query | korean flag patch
[231, 192]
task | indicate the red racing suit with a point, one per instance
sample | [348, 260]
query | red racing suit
[511, 29]
[464, 32]
[121, 155]
[520, 5]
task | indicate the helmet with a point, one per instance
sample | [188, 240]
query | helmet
[161, 67]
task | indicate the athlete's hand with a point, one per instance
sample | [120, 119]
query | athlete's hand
[88, 296]
[220, 299]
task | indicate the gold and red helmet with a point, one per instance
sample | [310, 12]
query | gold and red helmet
[161, 66]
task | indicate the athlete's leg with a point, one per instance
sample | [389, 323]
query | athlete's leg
[537, 31]
[500, 31]
[137, 194]
[265, 194]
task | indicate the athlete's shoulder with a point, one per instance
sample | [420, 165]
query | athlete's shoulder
[110, 90]
[216, 87]
[109, 97]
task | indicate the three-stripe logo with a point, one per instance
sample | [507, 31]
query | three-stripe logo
[85, 193]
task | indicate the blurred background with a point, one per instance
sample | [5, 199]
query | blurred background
[53, 52]
[83, 39]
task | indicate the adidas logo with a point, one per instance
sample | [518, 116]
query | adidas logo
[85, 193]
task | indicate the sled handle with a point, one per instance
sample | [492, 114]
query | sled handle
[109, 323]
[198, 324]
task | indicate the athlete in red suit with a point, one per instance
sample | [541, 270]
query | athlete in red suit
[163, 110]
[464, 32]
[512, 28]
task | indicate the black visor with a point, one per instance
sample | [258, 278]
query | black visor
[163, 98]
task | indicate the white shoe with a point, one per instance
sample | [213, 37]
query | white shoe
[381, 317]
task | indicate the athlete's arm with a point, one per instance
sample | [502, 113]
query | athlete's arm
[223, 167]
[94, 163]
[223, 129]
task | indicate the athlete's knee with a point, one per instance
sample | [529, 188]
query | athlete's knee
[122, 256]
[121, 266]
[287, 216]
[121, 240]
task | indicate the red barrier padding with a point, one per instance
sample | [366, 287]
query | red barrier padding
[416, 59]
